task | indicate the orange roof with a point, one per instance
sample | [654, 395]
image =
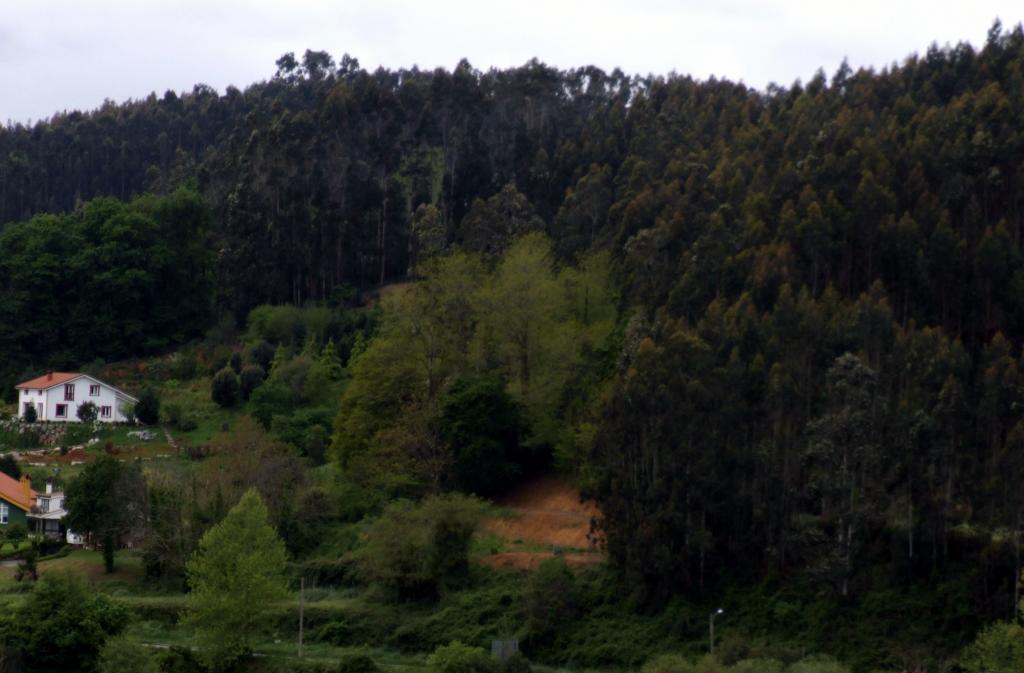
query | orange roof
[49, 380]
[17, 492]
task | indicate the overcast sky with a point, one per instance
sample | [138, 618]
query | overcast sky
[72, 54]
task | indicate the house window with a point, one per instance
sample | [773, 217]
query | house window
[69, 392]
[5, 513]
[40, 393]
[94, 391]
[62, 411]
[44, 505]
[104, 412]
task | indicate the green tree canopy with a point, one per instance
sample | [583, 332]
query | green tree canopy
[235, 577]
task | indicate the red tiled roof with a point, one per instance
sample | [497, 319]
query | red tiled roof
[49, 380]
[16, 492]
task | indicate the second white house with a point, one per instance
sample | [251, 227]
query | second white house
[56, 396]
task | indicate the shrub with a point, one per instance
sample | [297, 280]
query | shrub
[293, 374]
[172, 413]
[416, 550]
[456, 657]
[516, 663]
[120, 655]
[184, 367]
[357, 663]
[250, 379]
[87, 412]
[235, 362]
[16, 534]
[147, 410]
[262, 354]
[176, 418]
[61, 603]
[819, 664]
[999, 648]
[270, 399]
[30, 414]
[224, 388]
[756, 666]
[667, 663]
[550, 598]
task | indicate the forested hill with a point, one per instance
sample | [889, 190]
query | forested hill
[910, 176]
[758, 235]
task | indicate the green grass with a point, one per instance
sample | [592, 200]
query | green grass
[193, 397]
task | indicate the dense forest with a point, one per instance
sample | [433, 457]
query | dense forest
[774, 333]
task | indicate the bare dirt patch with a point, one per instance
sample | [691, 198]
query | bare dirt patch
[546, 517]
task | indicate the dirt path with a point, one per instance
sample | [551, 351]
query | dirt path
[546, 519]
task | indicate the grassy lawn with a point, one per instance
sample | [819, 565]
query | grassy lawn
[89, 564]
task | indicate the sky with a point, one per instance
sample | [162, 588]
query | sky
[72, 54]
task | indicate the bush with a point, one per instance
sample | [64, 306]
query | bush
[456, 657]
[828, 665]
[268, 400]
[262, 354]
[87, 412]
[184, 367]
[667, 663]
[235, 362]
[30, 414]
[120, 655]
[147, 410]
[550, 598]
[62, 605]
[293, 374]
[357, 663]
[176, 418]
[999, 648]
[250, 379]
[16, 534]
[516, 663]
[417, 550]
[224, 388]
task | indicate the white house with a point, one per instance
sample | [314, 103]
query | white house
[56, 397]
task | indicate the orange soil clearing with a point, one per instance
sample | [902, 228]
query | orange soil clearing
[545, 512]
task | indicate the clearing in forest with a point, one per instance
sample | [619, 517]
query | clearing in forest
[544, 517]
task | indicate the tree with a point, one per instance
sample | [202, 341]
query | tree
[224, 388]
[235, 362]
[105, 502]
[847, 461]
[250, 379]
[480, 423]
[87, 412]
[236, 576]
[30, 415]
[9, 466]
[999, 648]
[147, 409]
[63, 624]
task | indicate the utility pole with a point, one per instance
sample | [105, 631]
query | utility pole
[302, 596]
[711, 629]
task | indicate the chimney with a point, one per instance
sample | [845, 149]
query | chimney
[49, 376]
[49, 487]
[26, 487]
